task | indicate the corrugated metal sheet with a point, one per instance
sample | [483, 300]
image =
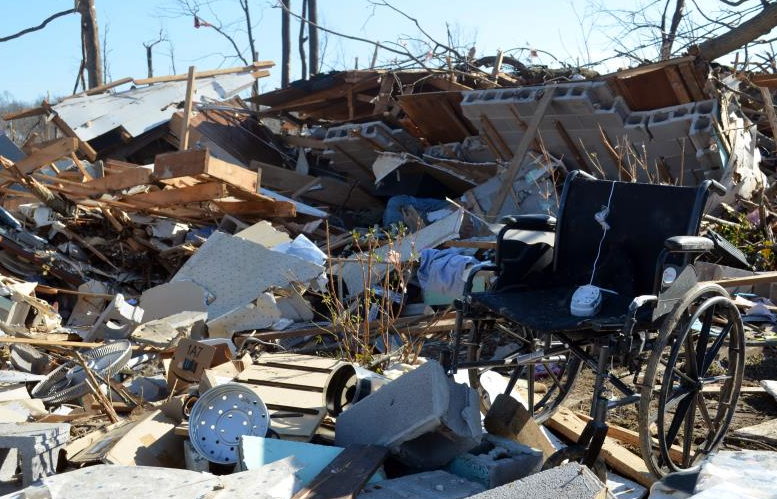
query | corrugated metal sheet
[140, 109]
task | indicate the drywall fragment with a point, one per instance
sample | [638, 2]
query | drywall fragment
[171, 298]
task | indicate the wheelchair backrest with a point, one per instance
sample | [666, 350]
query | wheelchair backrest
[641, 218]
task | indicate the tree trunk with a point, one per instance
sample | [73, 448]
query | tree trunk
[301, 42]
[313, 36]
[150, 60]
[285, 44]
[761, 24]
[90, 38]
[669, 38]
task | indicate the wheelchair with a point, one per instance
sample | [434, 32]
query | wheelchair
[661, 339]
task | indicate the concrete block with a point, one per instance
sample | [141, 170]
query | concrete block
[428, 485]
[569, 481]
[496, 461]
[37, 445]
[671, 122]
[702, 133]
[423, 417]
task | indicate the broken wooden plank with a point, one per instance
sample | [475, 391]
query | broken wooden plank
[625, 462]
[83, 146]
[24, 113]
[510, 419]
[118, 181]
[765, 277]
[205, 74]
[183, 195]
[199, 162]
[42, 157]
[183, 136]
[346, 475]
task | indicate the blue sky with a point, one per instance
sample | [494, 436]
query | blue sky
[46, 62]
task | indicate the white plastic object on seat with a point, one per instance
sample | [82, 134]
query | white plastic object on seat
[586, 301]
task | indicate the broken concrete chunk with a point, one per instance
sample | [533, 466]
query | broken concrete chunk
[428, 485]
[746, 473]
[259, 314]
[37, 444]
[171, 298]
[763, 432]
[434, 419]
[124, 316]
[568, 481]
[496, 461]
[162, 332]
[28, 359]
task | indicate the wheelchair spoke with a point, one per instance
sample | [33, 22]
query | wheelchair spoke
[705, 412]
[677, 420]
[690, 358]
[688, 432]
[704, 335]
[715, 348]
[553, 377]
[676, 397]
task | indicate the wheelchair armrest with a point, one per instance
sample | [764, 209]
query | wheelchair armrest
[481, 267]
[545, 223]
[689, 244]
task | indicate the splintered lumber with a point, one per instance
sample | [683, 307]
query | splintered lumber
[183, 143]
[118, 181]
[268, 208]
[346, 475]
[508, 418]
[25, 113]
[83, 146]
[172, 197]
[622, 460]
[214, 72]
[52, 152]
[199, 163]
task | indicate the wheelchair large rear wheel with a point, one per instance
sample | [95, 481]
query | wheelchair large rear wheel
[553, 376]
[692, 381]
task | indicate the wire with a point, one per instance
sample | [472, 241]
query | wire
[600, 217]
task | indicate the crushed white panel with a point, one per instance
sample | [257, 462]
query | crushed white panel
[259, 314]
[302, 208]
[141, 109]
[236, 271]
[265, 234]
[410, 248]
[172, 298]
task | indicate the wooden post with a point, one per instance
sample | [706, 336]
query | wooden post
[187, 111]
[520, 154]
[497, 65]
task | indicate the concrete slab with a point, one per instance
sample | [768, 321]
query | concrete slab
[569, 481]
[428, 485]
[171, 298]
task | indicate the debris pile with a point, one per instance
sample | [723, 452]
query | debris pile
[203, 295]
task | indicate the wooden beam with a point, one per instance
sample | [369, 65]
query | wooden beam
[184, 195]
[470, 244]
[117, 181]
[199, 162]
[206, 74]
[520, 153]
[508, 418]
[622, 460]
[346, 475]
[183, 135]
[748, 280]
[25, 113]
[258, 208]
[42, 157]
[676, 82]
[83, 146]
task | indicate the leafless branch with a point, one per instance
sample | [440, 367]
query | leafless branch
[38, 27]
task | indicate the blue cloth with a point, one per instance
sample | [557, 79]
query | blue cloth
[444, 271]
[393, 213]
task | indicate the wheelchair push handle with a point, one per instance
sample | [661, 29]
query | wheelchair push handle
[716, 187]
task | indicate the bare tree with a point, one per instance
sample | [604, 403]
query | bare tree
[106, 68]
[668, 37]
[90, 39]
[286, 43]
[313, 36]
[302, 39]
[149, 46]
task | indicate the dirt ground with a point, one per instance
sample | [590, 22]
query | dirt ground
[752, 408]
